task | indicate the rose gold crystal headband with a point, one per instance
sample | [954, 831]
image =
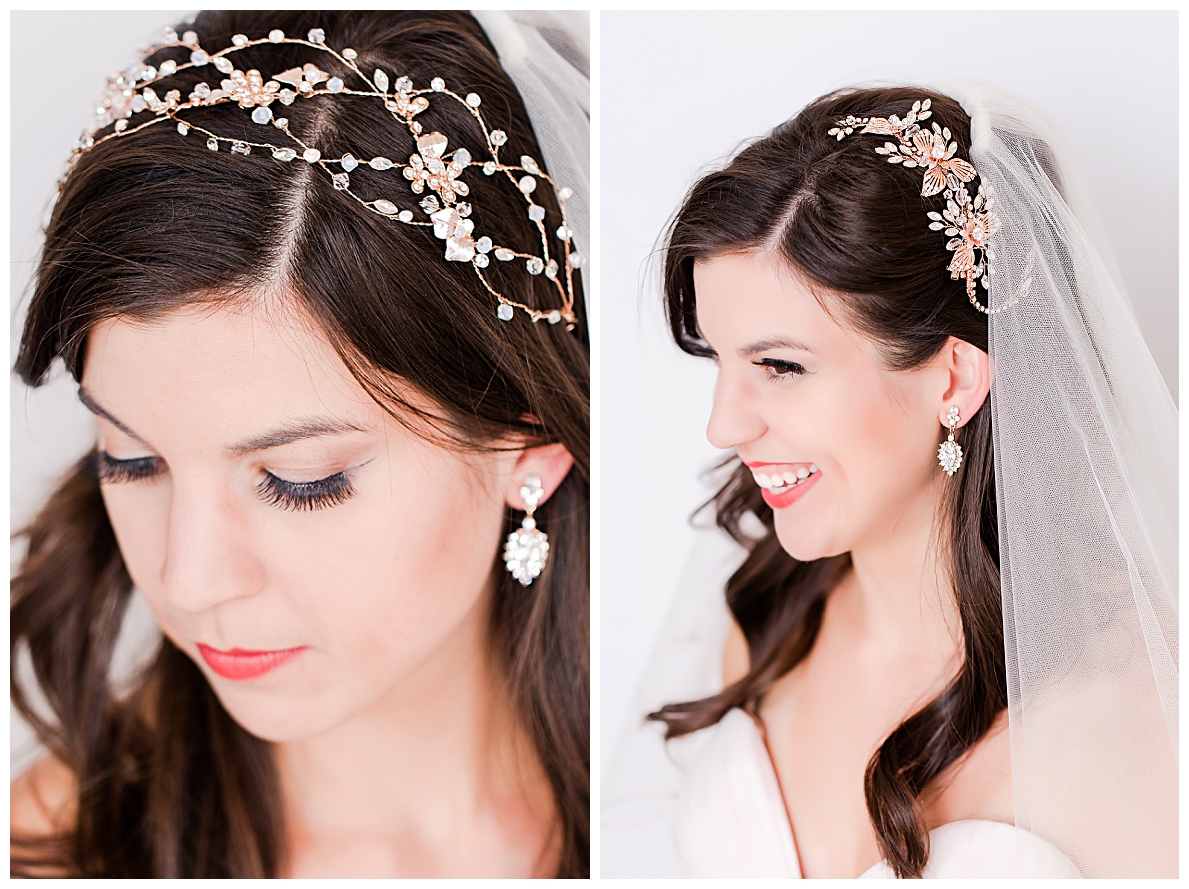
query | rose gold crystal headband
[431, 167]
[968, 222]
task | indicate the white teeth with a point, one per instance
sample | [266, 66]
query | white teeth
[779, 481]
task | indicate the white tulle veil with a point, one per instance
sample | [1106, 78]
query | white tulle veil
[1085, 437]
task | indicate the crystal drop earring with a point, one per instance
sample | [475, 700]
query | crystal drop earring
[527, 548]
[950, 452]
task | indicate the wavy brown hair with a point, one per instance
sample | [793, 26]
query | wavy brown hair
[168, 784]
[855, 227]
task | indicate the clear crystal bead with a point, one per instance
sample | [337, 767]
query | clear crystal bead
[241, 148]
[503, 254]
[483, 245]
[431, 145]
[404, 85]
[286, 96]
[498, 137]
[380, 163]
[335, 84]
[240, 40]
[224, 64]
[527, 184]
[281, 122]
[553, 317]
[564, 233]
[311, 155]
[473, 100]
[577, 260]
[536, 213]
[481, 260]
[406, 216]
[203, 89]
[462, 156]
[381, 80]
[262, 114]
[565, 192]
[386, 207]
[276, 35]
[551, 269]
[489, 168]
[316, 35]
[341, 181]
[121, 125]
[437, 84]
[212, 143]
[183, 128]
[350, 55]
[529, 164]
[148, 73]
[535, 265]
[168, 67]
[504, 312]
[199, 58]
[284, 154]
[430, 204]
[349, 163]
[190, 38]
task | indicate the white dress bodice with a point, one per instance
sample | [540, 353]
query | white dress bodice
[731, 821]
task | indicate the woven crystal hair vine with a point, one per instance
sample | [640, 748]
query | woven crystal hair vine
[430, 168]
[967, 221]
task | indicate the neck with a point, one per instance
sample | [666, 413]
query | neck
[426, 769]
[899, 594]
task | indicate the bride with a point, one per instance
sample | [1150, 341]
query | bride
[315, 276]
[952, 648]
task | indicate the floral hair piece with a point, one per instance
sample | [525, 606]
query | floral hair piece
[430, 168]
[968, 222]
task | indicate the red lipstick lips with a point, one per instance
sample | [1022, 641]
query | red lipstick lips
[240, 664]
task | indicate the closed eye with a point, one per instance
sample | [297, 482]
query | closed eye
[320, 494]
[101, 467]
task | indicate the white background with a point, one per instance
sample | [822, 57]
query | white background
[681, 91]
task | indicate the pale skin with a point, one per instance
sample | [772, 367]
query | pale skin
[890, 638]
[400, 754]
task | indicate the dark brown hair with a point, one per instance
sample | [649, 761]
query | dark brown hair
[168, 784]
[855, 228]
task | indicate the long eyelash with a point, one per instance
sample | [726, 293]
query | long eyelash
[102, 468]
[779, 368]
[321, 494]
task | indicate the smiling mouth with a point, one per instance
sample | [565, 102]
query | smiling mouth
[779, 482]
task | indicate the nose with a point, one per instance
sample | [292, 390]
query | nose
[733, 418]
[208, 555]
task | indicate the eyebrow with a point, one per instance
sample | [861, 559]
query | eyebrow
[296, 431]
[773, 343]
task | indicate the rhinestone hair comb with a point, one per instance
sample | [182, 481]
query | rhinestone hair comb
[431, 168]
[967, 221]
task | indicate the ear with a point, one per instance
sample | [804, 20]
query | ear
[968, 370]
[549, 463]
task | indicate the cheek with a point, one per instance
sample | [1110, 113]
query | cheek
[389, 579]
[139, 518]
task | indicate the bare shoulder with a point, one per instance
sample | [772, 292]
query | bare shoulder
[735, 659]
[42, 800]
[976, 786]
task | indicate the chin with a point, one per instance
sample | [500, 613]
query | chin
[280, 719]
[806, 541]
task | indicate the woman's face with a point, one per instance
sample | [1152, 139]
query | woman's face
[843, 447]
[264, 503]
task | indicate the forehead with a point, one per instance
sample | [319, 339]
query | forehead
[746, 297]
[231, 366]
